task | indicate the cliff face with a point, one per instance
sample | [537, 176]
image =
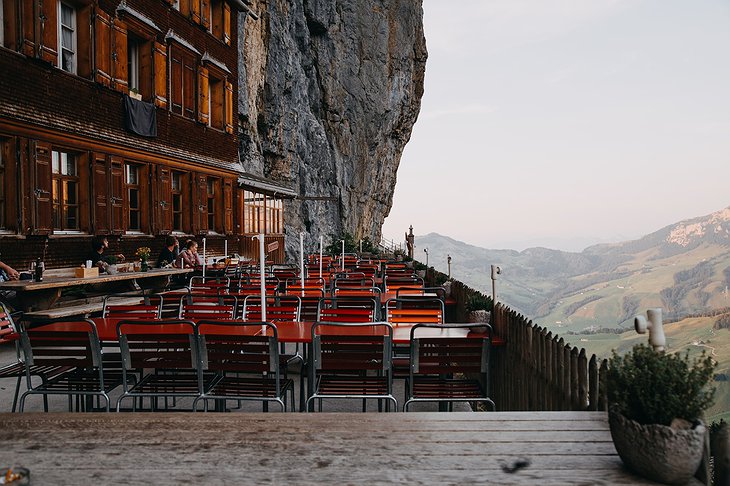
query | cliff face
[329, 91]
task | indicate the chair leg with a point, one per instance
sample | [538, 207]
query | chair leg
[17, 392]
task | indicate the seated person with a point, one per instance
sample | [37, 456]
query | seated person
[169, 253]
[189, 258]
[98, 245]
[8, 273]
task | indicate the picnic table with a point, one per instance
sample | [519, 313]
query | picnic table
[35, 296]
[540, 448]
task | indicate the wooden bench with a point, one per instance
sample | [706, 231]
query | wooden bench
[74, 310]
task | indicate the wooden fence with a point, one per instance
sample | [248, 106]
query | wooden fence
[538, 370]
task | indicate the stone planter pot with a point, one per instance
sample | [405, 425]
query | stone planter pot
[479, 315]
[670, 455]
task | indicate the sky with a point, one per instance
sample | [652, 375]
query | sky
[565, 123]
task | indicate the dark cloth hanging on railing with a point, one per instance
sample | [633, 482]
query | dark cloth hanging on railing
[140, 117]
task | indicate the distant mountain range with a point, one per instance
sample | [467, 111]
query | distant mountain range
[683, 268]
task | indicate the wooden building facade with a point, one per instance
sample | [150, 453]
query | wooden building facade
[119, 118]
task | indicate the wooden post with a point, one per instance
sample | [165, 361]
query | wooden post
[582, 380]
[574, 385]
[602, 389]
[593, 383]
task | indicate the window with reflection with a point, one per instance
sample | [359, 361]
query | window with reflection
[134, 205]
[65, 180]
[177, 201]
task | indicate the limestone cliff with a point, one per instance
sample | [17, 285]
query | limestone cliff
[329, 91]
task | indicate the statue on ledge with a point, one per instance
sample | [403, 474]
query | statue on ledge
[409, 241]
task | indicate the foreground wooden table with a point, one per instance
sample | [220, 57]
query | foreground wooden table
[241, 448]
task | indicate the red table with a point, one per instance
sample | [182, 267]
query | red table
[289, 332]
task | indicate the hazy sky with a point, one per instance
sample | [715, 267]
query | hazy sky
[563, 123]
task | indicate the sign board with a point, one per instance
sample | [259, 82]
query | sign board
[274, 245]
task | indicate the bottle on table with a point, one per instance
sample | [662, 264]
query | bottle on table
[39, 266]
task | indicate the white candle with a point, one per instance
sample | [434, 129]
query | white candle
[262, 253]
[321, 243]
[301, 259]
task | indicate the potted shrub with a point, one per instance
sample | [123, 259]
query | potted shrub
[478, 308]
[656, 402]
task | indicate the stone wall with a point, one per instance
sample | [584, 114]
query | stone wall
[329, 93]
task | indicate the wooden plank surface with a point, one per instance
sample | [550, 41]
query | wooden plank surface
[243, 448]
[58, 282]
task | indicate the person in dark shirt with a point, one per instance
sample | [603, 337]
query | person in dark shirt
[98, 245]
[169, 253]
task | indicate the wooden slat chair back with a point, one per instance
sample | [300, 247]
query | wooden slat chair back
[449, 369]
[350, 282]
[352, 361]
[245, 360]
[373, 292]
[369, 270]
[309, 283]
[220, 285]
[428, 292]
[278, 309]
[207, 306]
[168, 349]
[76, 350]
[309, 304]
[414, 311]
[348, 309]
[144, 309]
[392, 284]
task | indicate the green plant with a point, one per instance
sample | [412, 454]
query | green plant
[654, 387]
[111, 260]
[478, 301]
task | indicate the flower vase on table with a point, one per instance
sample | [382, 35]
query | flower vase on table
[144, 253]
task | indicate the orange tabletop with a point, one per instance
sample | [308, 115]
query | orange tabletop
[289, 332]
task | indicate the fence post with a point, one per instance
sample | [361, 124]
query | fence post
[583, 379]
[593, 383]
[602, 390]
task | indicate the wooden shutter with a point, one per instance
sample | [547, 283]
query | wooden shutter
[116, 195]
[226, 23]
[229, 107]
[11, 16]
[28, 21]
[203, 96]
[238, 213]
[119, 57]
[103, 53]
[164, 194]
[160, 61]
[188, 86]
[184, 6]
[228, 206]
[195, 10]
[100, 189]
[42, 190]
[200, 204]
[205, 13]
[48, 17]
[85, 45]
[12, 167]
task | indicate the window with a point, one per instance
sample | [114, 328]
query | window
[134, 45]
[216, 96]
[65, 177]
[182, 83]
[67, 37]
[134, 206]
[2, 25]
[212, 205]
[2, 176]
[254, 212]
[274, 216]
[177, 201]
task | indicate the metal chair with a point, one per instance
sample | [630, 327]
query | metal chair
[208, 306]
[117, 306]
[246, 363]
[348, 309]
[169, 349]
[17, 369]
[449, 368]
[76, 347]
[351, 361]
[415, 310]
